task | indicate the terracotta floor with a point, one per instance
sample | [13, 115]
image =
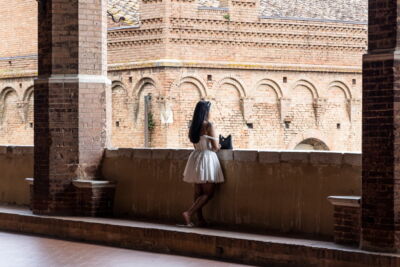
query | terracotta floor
[30, 251]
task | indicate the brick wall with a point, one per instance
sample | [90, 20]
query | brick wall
[266, 93]
[347, 225]
[380, 201]
[263, 71]
[18, 28]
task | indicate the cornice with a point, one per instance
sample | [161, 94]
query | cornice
[232, 65]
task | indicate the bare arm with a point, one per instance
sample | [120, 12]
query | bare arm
[214, 142]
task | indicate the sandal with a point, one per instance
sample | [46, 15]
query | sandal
[189, 225]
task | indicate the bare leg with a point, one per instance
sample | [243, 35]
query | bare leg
[198, 191]
[207, 194]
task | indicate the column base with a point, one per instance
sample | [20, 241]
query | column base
[93, 198]
[347, 219]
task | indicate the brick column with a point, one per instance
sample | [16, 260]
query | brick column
[70, 100]
[381, 139]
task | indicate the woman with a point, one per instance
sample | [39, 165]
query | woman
[203, 168]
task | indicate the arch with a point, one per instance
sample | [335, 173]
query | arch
[310, 134]
[120, 115]
[117, 83]
[271, 84]
[28, 93]
[28, 110]
[311, 144]
[196, 81]
[5, 92]
[309, 86]
[342, 86]
[235, 83]
[141, 83]
[3, 104]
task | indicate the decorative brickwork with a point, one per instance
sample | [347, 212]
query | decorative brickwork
[273, 83]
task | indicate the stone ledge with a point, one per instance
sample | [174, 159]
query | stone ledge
[181, 154]
[119, 152]
[16, 150]
[80, 183]
[92, 183]
[347, 201]
[353, 159]
[225, 154]
[325, 158]
[260, 156]
[303, 157]
[245, 155]
[232, 64]
[269, 157]
[142, 153]
[161, 153]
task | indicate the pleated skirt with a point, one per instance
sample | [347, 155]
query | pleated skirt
[203, 167]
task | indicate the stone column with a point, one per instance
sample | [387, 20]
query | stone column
[381, 137]
[70, 100]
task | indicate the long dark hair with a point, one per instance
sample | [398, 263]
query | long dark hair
[200, 114]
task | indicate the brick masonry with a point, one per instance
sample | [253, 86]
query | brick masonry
[347, 225]
[347, 219]
[95, 201]
[244, 65]
[381, 153]
[70, 101]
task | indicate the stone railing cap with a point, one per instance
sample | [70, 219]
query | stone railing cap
[349, 201]
[80, 183]
[262, 156]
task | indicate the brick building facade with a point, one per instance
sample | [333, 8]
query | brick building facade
[279, 77]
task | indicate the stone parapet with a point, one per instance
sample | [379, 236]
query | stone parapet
[269, 191]
[16, 163]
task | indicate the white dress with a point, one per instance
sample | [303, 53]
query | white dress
[203, 165]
